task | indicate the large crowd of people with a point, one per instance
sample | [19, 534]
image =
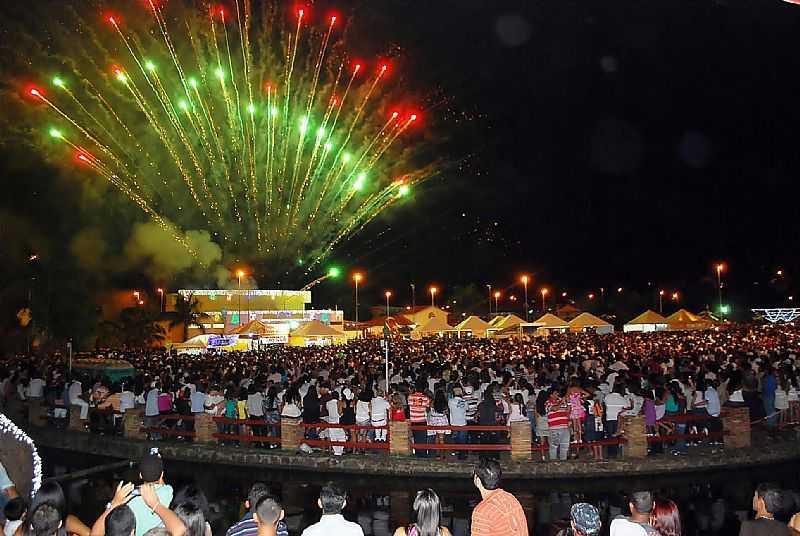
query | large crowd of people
[570, 388]
[152, 507]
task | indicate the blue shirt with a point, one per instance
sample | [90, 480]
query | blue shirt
[770, 385]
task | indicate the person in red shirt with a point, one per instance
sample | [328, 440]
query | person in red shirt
[499, 513]
[418, 405]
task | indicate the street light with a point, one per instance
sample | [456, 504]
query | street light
[433, 291]
[544, 297]
[490, 299]
[239, 276]
[524, 280]
[591, 296]
[675, 296]
[388, 295]
[719, 268]
[496, 297]
[660, 301]
[161, 292]
[357, 279]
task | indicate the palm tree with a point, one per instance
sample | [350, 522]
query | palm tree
[135, 328]
[187, 313]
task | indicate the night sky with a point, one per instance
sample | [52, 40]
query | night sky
[598, 144]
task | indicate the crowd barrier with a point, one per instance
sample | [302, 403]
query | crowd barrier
[733, 428]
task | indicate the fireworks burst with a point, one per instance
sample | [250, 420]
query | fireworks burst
[254, 125]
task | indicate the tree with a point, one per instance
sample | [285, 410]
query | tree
[135, 328]
[187, 313]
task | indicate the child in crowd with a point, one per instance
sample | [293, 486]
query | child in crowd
[14, 512]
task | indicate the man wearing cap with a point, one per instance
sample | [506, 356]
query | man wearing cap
[584, 521]
[151, 471]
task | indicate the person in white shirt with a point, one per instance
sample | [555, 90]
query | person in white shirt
[379, 414]
[127, 400]
[332, 500]
[36, 387]
[75, 399]
[638, 524]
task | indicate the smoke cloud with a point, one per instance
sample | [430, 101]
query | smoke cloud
[156, 251]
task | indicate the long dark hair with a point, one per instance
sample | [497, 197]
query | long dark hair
[427, 512]
[50, 493]
[440, 401]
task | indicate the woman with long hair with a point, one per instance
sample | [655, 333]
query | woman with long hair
[665, 518]
[438, 417]
[427, 517]
[52, 494]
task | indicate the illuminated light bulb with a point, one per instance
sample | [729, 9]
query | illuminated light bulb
[55, 133]
[403, 190]
[274, 111]
[193, 82]
[383, 68]
[150, 66]
[35, 92]
[346, 157]
[328, 146]
[413, 117]
[300, 13]
[357, 67]
[333, 20]
[112, 20]
[183, 105]
[320, 132]
[83, 158]
[58, 82]
[220, 74]
[335, 101]
[251, 108]
[395, 114]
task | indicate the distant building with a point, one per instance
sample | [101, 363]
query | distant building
[266, 316]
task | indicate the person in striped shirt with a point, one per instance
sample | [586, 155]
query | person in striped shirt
[419, 404]
[558, 410]
[499, 513]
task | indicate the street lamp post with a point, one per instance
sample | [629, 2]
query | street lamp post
[544, 298]
[525, 286]
[660, 302]
[239, 275]
[719, 268]
[433, 294]
[356, 279]
[388, 295]
[496, 297]
[490, 300]
[413, 297]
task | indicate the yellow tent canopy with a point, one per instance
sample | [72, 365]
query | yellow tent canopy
[434, 326]
[550, 321]
[474, 324]
[588, 320]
